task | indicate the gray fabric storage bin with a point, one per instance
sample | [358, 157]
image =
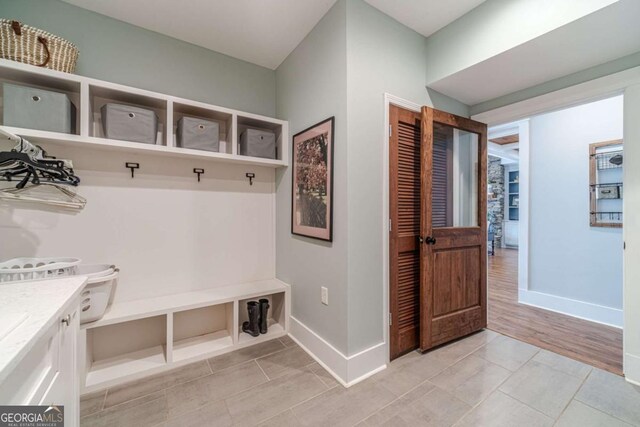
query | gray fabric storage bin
[32, 108]
[129, 123]
[258, 143]
[198, 134]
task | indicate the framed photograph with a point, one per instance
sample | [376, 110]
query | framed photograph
[312, 192]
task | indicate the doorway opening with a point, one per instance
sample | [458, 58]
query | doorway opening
[555, 215]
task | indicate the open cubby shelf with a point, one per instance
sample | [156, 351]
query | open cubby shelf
[276, 320]
[89, 95]
[126, 348]
[139, 338]
[202, 331]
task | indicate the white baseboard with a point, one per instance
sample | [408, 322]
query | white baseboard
[632, 368]
[580, 309]
[347, 370]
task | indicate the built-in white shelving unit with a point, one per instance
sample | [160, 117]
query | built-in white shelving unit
[139, 338]
[88, 95]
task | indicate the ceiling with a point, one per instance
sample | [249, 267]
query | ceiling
[425, 16]
[595, 39]
[260, 31]
[504, 140]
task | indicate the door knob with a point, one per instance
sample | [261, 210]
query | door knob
[430, 240]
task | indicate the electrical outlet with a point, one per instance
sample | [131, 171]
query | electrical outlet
[324, 295]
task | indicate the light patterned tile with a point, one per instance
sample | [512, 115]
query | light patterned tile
[284, 419]
[563, 364]
[287, 341]
[457, 350]
[578, 414]
[287, 361]
[92, 403]
[146, 414]
[343, 406]
[500, 410]
[246, 354]
[219, 385]
[409, 371]
[611, 394]
[507, 352]
[324, 376]
[426, 405]
[542, 387]
[471, 379]
[260, 403]
[135, 389]
[214, 414]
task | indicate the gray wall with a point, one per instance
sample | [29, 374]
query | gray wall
[311, 86]
[489, 30]
[118, 52]
[343, 68]
[568, 258]
[382, 56]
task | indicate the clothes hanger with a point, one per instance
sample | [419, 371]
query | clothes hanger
[31, 163]
[45, 193]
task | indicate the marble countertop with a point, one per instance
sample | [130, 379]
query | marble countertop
[27, 311]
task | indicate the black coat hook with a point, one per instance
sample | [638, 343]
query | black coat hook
[199, 172]
[133, 167]
[250, 175]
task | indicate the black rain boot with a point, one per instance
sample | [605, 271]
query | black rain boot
[252, 327]
[264, 310]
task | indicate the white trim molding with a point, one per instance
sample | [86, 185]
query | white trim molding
[632, 368]
[523, 207]
[592, 90]
[583, 310]
[347, 370]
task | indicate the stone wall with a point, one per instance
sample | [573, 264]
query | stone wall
[495, 201]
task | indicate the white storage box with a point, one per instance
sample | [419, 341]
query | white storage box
[19, 269]
[96, 296]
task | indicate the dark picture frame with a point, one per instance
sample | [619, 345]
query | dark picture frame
[312, 181]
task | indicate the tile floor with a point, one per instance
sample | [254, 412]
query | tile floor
[486, 379]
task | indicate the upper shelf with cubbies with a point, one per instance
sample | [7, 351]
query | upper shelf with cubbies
[228, 129]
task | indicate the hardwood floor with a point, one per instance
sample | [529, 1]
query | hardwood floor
[588, 342]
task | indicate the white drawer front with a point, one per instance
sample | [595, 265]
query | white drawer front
[29, 381]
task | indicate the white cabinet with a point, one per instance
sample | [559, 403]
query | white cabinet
[49, 373]
[65, 387]
[511, 234]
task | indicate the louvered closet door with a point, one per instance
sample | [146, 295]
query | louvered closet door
[404, 250]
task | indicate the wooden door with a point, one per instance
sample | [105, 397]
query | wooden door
[453, 243]
[404, 250]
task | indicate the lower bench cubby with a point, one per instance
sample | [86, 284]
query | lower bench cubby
[122, 349]
[275, 320]
[201, 331]
[138, 338]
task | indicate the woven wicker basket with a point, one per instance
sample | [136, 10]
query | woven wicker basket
[30, 45]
